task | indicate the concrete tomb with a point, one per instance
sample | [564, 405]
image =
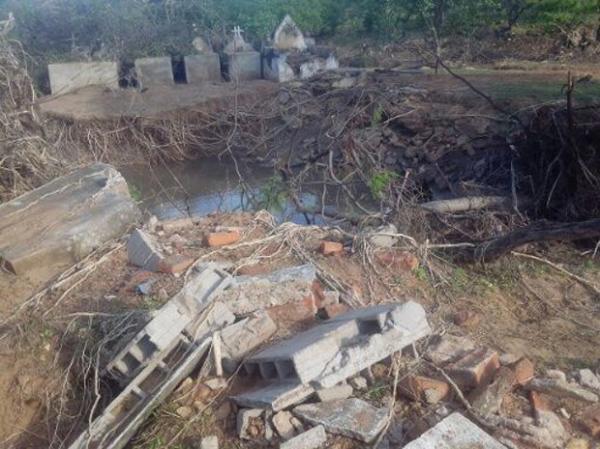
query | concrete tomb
[154, 72]
[242, 61]
[67, 77]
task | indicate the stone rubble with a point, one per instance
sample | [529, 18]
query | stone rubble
[311, 439]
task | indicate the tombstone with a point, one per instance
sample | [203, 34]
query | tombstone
[67, 77]
[154, 72]
[288, 36]
[202, 68]
[242, 61]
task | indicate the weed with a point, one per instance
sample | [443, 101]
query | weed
[134, 192]
[421, 274]
[380, 182]
[377, 116]
[273, 195]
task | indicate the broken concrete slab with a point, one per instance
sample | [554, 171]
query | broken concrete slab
[241, 338]
[447, 349]
[282, 422]
[328, 354]
[454, 432]
[71, 76]
[562, 389]
[353, 418]
[311, 439]
[143, 251]
[210, 442]
[277, 396]
[250, 293]
[202, 68]
[154, 72]
[56, 225]
[343, 391]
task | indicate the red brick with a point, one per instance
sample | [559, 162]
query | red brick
[397, 260]
[524, 371]
[466, 318]
[539, 403]
[420, 388]
[294, 312]
[217, 239]
[175, 264]
[331, 248]
[333, 310]
[475, 369]
[318, 293]
[590, 420]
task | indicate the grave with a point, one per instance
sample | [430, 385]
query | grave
[154, 72]
[242, 61]
[71, 76]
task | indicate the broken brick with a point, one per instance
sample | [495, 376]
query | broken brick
[217, 239]
[524, 371]
[539, 403]
[397, 260]
[331, 248]
[475, 369]
[175, 264]
[294, 312]
[333, 310]
[420, 388]
[590, 421]
[489, 399]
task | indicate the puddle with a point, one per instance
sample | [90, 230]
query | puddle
[202, 187]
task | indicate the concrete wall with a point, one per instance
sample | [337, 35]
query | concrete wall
[244, 66]
[67, 77]
[202, 68]
[154, 72]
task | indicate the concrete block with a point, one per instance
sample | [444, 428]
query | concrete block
[240, 339]
[143, 251]
[353, 418]
[277, 396]
[48, 229]
[244, 66]
[311, 439]
[282, 422]
[448, 348]
[202, 68]
[204, 285]
[250, 293]
[67, 77]
[343, 391]
[154, 72]
[455, 431]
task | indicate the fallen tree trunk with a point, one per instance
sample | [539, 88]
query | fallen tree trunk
[538, 232]
[467, 203]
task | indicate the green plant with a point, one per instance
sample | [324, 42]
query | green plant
[134, 192]
[380, 183]
[273, 195]
[377, 116]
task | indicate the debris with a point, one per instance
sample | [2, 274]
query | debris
[466, 318]
[489, 400]
[397, 260]
[359, 383]
[64, 220]
[454, 432]
[507, 358]
[578, 443]
[384, 236]
[420, 388]
[343, 391]
[556, 374]
[241, 338]
[223, 411]
[334, 310]
[588, 379]
[330, 353]
[475, 369]
[288, 285]
[448, 348]
[143, 251]
[175, 264]
[282, 422]
[217, 239]
[524, 371]
[250, 424]
[311, 439]
[217, 352]
[562, 389]
[331, 248]
[277, 396]
[547, 419]
[210, 442]
[145, 288]
[185, 412]
[590, 420]
[216, 383]
[353, 418]
[287, 315]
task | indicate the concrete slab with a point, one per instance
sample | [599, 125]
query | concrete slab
[454, 432]
[202, 68]
[143, 251]
[311, 439]
[243, 66]
[58, 224]
[353, 418]
[277, 396]
[154, 72]
[71, 76]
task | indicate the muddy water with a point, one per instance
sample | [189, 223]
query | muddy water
[198, 188]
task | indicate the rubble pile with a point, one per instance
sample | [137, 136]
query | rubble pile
[255, 353]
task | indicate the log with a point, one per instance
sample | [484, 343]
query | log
[538, 232]
[467, 203]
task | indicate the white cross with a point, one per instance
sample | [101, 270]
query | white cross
[237, 31]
